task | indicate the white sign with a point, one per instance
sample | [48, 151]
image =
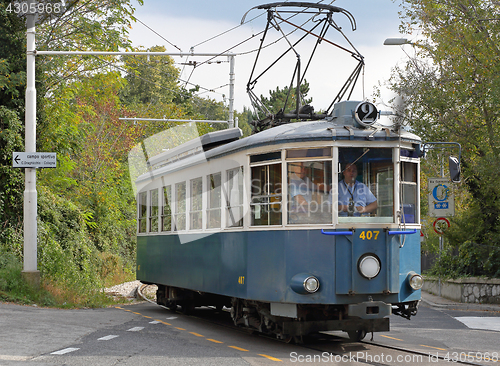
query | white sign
[34, 160]
[441, 198]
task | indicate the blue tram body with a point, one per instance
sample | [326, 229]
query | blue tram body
[218, 225]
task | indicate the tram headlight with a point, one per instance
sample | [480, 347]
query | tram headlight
[415, 280]
[369, 266]
[311, 284]
[304, 283]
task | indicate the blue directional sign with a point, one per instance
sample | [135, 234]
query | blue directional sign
[441, 198]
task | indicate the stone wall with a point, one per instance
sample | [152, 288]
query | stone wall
[467, 290]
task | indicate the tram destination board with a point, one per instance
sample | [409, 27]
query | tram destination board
[34, 160]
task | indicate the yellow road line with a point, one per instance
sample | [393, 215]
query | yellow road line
[209, 339]
[197, 334]
[213, 340]
[239, 349]
[441, 349]
[271, 358]
[396, 339]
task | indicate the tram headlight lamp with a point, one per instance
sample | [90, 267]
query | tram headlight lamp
[311, 284]
[415, 280]
[304, 283]
[369, 266]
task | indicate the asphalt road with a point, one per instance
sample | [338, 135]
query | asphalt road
[145, 334]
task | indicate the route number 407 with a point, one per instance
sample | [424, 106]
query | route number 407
[369, 235]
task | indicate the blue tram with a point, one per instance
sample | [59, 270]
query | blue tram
[303, 227]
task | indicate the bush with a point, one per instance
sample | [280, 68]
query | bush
[14, 288]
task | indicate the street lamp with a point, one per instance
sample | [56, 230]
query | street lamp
[396, 42]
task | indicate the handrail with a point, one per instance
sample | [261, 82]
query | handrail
[336, 232]
[414, 231]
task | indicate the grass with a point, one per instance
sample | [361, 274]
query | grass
[53, 293]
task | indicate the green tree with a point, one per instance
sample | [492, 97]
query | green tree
[151, 79]
[284, 99]
[12, 85]
[450, 91]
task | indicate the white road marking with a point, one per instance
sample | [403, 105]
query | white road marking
[107, 338]
[154, 322]
[135, 329]
[477, 322]
[14, 358]
[172, 317]
[64, 351]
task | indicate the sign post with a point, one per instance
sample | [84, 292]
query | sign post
[441, 205]
[30, 270]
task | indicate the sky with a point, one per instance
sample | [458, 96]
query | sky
[190, 25]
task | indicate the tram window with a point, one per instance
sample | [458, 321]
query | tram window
[234, 197]
[365, 185]
[142, 209]
[166, 213]
[309, 153]
[214, 198]
[195, 213]
[309, 199]
[409, 153]
[153, 211]
[180, 206]
[409, 192]
[266, 195]
[265, 157]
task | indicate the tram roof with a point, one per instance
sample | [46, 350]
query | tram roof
[322, 130]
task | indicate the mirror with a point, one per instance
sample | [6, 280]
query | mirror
[454, 165]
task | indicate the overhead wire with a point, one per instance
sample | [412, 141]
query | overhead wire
[187, 81]
[158, 34]
[249, 38]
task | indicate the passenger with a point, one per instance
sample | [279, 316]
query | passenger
[355, 198]
[300, 187]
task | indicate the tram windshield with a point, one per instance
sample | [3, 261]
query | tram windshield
[365, 185]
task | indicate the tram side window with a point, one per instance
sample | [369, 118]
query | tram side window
[409, 191]
[142, 209]
[180, 206]
[153, 211]
[266, 195]
[234, 197]
[214, 200]
[365, 185]
[196, 204]
[309, 184]
[166, 213]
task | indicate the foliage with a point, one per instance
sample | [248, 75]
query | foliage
[450, 90]
[12, 85]
[86, 207]
[14, 288]
[285, 99]
[73, 270]
[151, 80]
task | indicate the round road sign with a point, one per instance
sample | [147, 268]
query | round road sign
[440, 225]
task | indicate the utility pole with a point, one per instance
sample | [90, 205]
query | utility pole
[30, 271]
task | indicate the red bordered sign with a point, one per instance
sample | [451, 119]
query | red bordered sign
[440, 225]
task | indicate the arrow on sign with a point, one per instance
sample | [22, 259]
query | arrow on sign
[16, 159]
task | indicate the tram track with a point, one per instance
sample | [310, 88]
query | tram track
[366, 352]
